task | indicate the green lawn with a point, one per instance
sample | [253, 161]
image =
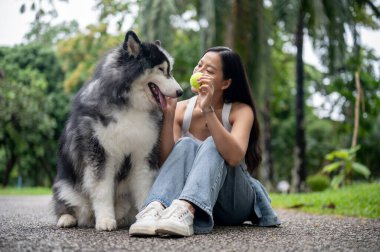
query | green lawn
[360, 200]
[25, 191]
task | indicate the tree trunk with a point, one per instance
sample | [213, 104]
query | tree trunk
[299, 170]
[48, 171]
[8, 169]
[246, 32]
[357, 110]
[267, 173]
[231, 25]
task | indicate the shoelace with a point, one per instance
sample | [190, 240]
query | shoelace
[179, 212]
[148, 212]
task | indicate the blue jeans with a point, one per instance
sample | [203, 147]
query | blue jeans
[198, 173]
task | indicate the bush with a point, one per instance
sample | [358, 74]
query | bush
[318, 182]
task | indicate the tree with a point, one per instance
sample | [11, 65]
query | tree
[30, 111]
[244, 26]
[79, 54]
[41, 29]
[325, 23]
[154, 21]
[355, 84]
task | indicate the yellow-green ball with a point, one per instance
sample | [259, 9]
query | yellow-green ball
[194, 80]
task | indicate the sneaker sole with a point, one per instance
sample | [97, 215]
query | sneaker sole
[173, 231]
[142, 232]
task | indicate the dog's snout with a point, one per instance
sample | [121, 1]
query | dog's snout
[179, 93]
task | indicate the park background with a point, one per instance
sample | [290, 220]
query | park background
[314, 76]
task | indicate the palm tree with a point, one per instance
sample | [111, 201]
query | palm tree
[326, 23]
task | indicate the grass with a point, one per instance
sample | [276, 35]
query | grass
[359, 200]
[25, 191]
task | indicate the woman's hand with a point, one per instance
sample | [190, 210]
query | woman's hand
[167, 136]
[169, 110]
[206, 91]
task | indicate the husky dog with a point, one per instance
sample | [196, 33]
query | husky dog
[108, 152]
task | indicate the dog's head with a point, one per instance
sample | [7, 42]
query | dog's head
[132, 74]
[153, 65]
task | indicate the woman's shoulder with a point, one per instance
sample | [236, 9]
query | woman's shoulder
[240, 109]
[181, 107]
[183, 104]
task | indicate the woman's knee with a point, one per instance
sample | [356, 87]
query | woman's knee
[209, 144]
[186, 143]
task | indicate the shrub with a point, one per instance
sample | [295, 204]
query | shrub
[317, 182]
[343, 163]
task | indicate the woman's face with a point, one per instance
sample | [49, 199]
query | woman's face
[211, 64]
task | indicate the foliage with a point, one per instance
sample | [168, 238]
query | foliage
[317, 182]
[30, 100]
[45, 12]
[359, 200]
[114, 10]
[79, 54]
[64, 58]
[41, 8]
[339, 92]
[343, 165]
[45, 33]
[154, 21]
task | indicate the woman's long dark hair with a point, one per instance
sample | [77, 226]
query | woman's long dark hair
[240, 91]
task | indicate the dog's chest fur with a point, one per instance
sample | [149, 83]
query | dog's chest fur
[129, 133]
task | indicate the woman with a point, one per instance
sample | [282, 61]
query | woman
[209, 144]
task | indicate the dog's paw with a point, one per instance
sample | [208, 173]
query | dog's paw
[66, 221]
[106, 224]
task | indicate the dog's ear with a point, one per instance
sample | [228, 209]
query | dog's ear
[132, 44]
[157, 42]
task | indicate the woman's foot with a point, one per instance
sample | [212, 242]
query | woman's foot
[176, 220]
[146, 220]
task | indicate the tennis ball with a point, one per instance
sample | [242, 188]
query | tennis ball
[194, 80]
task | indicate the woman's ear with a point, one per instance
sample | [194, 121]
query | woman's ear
[226, 84]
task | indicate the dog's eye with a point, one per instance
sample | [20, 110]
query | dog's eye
[161, 69]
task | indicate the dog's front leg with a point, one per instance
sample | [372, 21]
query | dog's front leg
[143, 178]
[102, 199]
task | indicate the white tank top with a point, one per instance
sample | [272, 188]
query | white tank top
[189, 112]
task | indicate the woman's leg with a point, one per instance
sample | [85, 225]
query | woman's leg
[204, 183]
[236, 198]
[173, 173]
[211, 182]
[166, 188]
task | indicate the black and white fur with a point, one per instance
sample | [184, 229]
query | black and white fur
[108, 152]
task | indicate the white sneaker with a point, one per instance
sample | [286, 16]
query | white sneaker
[147, 219]
[176, 220]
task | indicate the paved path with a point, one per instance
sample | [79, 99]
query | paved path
[25, 225]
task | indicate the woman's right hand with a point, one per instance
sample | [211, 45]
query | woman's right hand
[206, 91]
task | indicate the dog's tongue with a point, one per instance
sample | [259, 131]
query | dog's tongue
[162, 100]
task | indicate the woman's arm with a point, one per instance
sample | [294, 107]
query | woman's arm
[232, 145]
[171, 128]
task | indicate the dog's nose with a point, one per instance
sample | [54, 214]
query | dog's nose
[179, 93]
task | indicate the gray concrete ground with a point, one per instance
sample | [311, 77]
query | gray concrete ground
[26, 225]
